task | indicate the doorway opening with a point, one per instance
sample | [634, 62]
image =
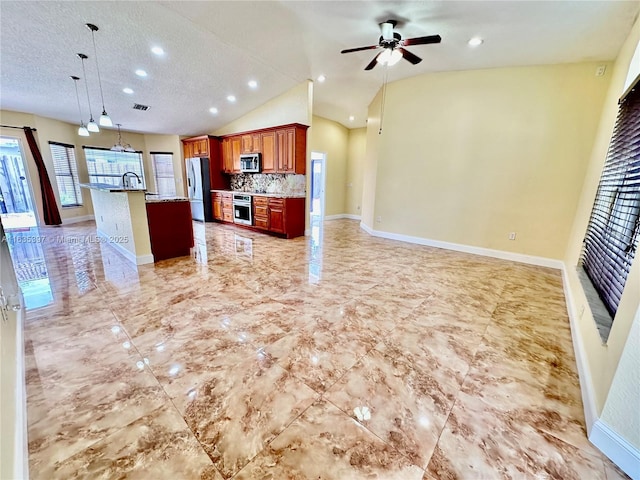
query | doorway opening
[17, 209]
[318, 173]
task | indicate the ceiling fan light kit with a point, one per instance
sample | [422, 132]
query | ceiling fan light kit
[393, 46]
[393, 50]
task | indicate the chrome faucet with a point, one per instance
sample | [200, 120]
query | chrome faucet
[126, 183]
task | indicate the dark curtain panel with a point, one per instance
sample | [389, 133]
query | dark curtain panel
[51, 213]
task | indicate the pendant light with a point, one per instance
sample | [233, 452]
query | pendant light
[105, 120]
[82, 130]
[120, 147]
[92, 126]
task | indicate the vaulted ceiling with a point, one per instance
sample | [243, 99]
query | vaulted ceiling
[212, 49]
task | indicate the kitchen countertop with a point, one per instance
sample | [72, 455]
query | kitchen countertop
[106, 187]
[275, 195]
[164, 198]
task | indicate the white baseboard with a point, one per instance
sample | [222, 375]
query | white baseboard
[83, 218]
[584, 373]
[342, 215]
[486, 252]
[619, 451]
[136, 259]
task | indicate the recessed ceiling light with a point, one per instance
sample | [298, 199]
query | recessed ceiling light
[157, 51]
[351, 118]
[127, 90]
[213, 110]
[231, 98]
[475, 41]
[141, 73]
[322, 78]
[252, 84]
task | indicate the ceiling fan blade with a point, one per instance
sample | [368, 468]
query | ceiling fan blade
[349, 50]
[423, 40]
[373, 62]
[410, 56]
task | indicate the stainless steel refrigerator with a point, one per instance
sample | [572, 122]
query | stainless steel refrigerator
[199, 187]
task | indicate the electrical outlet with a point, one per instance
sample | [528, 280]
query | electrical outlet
[379, 219]
[600, 70]
[512, 236]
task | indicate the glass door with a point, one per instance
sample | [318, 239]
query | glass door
[16, 198]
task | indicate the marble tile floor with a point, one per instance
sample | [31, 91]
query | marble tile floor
[336, 356]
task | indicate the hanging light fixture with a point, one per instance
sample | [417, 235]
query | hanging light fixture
[105, 120]
[82, 130]
[120, 147]
[92, 126]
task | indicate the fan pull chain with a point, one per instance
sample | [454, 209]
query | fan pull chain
[385, 76]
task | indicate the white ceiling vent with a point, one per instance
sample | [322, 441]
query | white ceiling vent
[137, 106]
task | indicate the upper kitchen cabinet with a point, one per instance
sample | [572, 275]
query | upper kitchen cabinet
[291, 146]
[283, 149]
[236, 149]
[197, 146]
[251, 143]
[231, 150]
[269, 152]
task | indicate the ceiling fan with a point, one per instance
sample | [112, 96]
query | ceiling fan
[393, 46]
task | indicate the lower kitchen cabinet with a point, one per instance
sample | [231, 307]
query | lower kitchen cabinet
[276, 215]
[170, 229]
[282, 216]
[222, 206]
[261, 212]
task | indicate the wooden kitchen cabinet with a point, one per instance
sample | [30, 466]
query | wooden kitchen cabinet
[276, 215]
[284, 216]
[197, 147]
[227, 207]
[227, 156]
[216, 200]
[187, 150]
[261, 212]
[251, 143]
[236, 149]
[283, 149]
[268, 152]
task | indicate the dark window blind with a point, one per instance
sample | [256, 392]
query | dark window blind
[612, 234]
[163, 173]
[66, 170]
[106, 166]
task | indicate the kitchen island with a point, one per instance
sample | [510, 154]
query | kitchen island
[142, 229]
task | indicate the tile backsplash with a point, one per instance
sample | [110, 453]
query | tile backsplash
[289, 184]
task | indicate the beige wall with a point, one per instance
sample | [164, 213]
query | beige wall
[621, 408]
[290, 107]
[467, 157]
[332, 139]
[57, 131]
[602, 360]
[168, 144]
[355, 170]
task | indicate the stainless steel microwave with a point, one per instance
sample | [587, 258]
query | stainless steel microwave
[250, 163]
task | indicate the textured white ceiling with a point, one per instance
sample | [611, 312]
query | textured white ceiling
[214, 48]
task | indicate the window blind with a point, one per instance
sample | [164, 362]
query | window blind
[163, 173]
[66, 171]
[106, 166]
[611, 239]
